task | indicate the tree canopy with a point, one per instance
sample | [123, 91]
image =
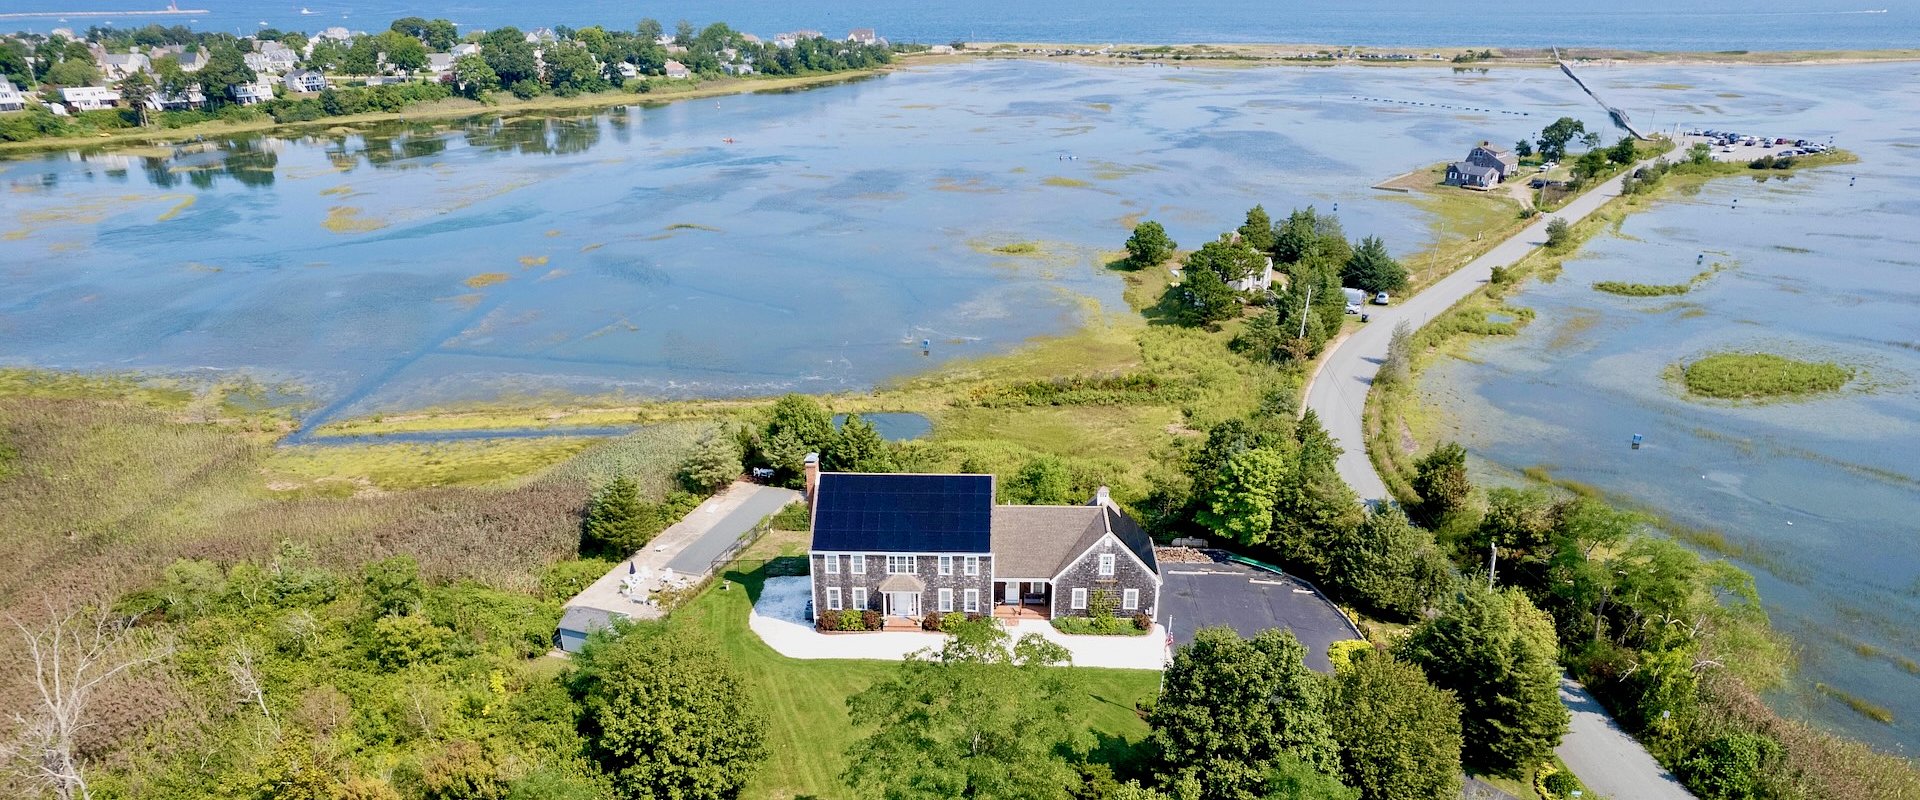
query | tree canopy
[1234, 709]
[1149, 245]
[1399, 736]
[1371, 269]
[1497, 653]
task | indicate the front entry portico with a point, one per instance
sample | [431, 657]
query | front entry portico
[903, 604]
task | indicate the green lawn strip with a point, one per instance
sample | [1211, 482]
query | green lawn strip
[805, 701]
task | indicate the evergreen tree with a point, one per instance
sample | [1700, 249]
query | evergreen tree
[1233, 709]
[1440, 478]
[1298, 239]
[1371, 269]
[1312, 506]
[1257, 231]
[1496, 652]
[1399, 736]
[858, 448]
[1149, 245]
[393, 586]
[1388, 565]
[616, 520]
[714, 463]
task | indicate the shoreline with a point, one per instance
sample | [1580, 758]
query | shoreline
[1312, 54]
[504, 105]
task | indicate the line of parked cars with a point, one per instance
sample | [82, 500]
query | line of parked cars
[1727, 140]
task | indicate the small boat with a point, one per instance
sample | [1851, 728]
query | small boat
[305, 12]
[728, 140]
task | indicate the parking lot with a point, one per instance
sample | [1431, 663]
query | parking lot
[1249, 600]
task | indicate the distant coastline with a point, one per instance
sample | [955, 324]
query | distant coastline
[1397, 55]
[164, 12]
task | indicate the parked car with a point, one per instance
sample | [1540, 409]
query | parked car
[1353, 308]
[1380, 299]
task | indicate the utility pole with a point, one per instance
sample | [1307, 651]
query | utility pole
[1493, 561]
[1304, 308]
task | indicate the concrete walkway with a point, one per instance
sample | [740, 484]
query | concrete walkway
[779, 618]
[1610, 762]
[688, 548]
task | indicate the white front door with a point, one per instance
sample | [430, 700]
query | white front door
[903, 604]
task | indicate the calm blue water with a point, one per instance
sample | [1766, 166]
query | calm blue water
[1635, 24]
[1823, 496]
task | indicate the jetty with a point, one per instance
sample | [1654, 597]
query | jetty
[1619, 117]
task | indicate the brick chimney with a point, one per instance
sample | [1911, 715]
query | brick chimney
[811, 469]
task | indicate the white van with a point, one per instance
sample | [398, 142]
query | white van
[1380, 299]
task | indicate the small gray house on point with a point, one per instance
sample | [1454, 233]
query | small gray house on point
[908, 546]
[1471, 175]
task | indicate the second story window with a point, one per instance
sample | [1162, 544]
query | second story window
[900, 565]
[1106, 565]
[946, 565]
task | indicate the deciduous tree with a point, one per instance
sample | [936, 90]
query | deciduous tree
[1389, 565]
[1554, 137]
[1149, 245]
[1239, 502]
[714, 463]
[671, 716]
[1233, 709]
[1043, 482]
[73, 657]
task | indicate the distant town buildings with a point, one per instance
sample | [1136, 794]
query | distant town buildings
[89, 98]
[676, 69]
[246, 94]
[306, 80]
[10, 97]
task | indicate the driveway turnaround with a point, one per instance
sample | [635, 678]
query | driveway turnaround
[780, 619]
[1250, 600]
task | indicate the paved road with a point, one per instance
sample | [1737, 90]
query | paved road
[1339, 390]
[1610, 762]
[1606, 759]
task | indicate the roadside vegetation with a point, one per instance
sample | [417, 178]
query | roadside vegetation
[1685, 673]
[1760, 376]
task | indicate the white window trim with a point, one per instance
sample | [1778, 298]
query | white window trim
[860, 597]
[972, 565]
[833, 598]
[973, 601]
[859, 563]
[1079, 600]
[946, 565]
[1106, 565]
[946, 601]
[911, 564]
[833, 563]
[1129, 599]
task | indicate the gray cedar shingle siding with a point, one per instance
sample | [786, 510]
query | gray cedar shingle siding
[1495, 157]
[928, 573]
[1464, 173]
[1084, 573]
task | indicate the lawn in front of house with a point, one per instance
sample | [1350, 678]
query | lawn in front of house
[805, 702]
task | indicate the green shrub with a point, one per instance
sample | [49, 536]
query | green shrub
[1099, 626]
[406, 640]
[793, 517]
[1742, 376]
[853, 620]
[562, 580]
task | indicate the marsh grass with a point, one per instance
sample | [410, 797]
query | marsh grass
[1760, 376]
[1018, 249]
[485, 279]
[347, 219]
[1859, 704]
[1065, 182]
[337, 469]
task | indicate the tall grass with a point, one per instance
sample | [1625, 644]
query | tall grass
[1752, 376]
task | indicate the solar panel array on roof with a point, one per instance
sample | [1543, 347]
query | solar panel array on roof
[903, 513]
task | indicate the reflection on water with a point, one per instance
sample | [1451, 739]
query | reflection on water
[736, 245]
[1822, 498]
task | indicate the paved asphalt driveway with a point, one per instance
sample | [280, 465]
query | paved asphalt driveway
[1249, 600]
[761, 502]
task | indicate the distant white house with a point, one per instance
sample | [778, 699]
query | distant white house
[194, 61]
[10, 97]
[246, 94]
[1258, 281]
[940, 49]
[542, 36]
[465, 49]
[306, 80]
[335, 33]
[115, 66]
[676, 69]
[272, 57]
[187, 100]
[864, 36]
[439, 64]
[89, 98]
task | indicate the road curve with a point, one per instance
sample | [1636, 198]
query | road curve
[1607, 760]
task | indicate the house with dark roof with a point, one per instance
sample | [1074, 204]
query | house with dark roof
[912, 545]
[1471, 175]
[1492, 155]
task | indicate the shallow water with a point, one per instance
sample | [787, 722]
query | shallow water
[636, 251]
[1635, 24]
[1824, 494]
